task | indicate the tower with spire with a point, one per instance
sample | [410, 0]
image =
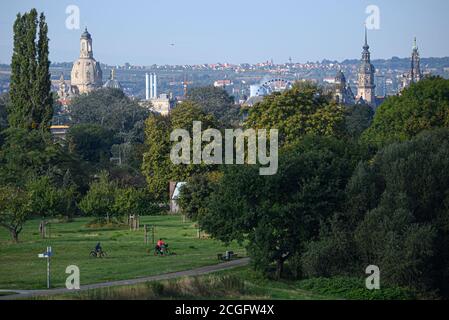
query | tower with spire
[415, 74]
[343, 93]
[415, 70]
[366, 85]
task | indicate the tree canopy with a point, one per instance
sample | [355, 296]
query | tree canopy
[279, 214]
[217, 102]
[422, 106]
[157, 165]
[297, 112]
[109, 108]
[31, 103]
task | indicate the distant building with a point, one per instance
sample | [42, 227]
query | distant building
[415, 74]
[366, 87]
[59, 132]
[112, 83]
[222, 83]
[65, 93]
[86, 73]
[162, 105]
[343, 93]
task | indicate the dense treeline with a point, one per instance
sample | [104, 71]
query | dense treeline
[353, 189]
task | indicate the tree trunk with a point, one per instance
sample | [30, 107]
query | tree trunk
[14, 235]
[279, 269]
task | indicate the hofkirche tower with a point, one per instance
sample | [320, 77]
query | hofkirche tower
[86, 73]
[366, 87]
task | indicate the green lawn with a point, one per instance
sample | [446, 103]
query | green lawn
[20, 267]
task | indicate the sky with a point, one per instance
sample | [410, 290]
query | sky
[146, 32]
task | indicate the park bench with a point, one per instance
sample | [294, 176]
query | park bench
[228, 256]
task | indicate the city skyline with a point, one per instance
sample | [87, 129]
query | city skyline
[183, 33]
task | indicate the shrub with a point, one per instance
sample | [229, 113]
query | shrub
[354, 289]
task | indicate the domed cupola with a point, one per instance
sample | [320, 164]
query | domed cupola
[86, 73]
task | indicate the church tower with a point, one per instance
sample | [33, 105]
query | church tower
[86, 73]
[416, 74]
[366, 87]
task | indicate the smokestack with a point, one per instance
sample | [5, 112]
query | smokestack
[147, 86]
[155, 86]
[151, 86]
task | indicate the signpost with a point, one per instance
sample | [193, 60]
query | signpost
[47, 255]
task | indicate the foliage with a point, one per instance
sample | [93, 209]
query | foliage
[194, 195]
[49, 200]
[100, 199]
[331, 254]
[157, 166]
[300, 111]
[14, 209]
[109, 108]
[354, 289]
[422, 106]
[91, 143]
[279, 214]
[398, 209]
[27, 153]
[132, 201]
[4, 100]
[216, 101]
[31, 103]
[358, 118]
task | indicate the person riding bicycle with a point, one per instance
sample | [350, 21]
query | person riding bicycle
[98, 248]
[161, 246]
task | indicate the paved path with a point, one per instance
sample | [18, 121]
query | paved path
[23, 294]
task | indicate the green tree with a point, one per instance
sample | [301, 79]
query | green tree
[194, 195]
[4, 98]
[133, 201]
[279, 214]
[358, 118]
[110, 108]
[100, 199]
[216, 101]
[31, 100]
[91, 142]
[25, 154]
[14, 210]
[49, 200]
[157, 166]
[300, 111]
[398, 210]
[422, 106]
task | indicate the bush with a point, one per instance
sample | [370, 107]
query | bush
[354, 289]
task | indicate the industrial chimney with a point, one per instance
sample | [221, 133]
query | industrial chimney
[147, 86]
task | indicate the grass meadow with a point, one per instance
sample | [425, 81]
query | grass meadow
[127, 254]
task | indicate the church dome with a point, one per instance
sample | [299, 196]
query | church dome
[86, 35]
[86, 73]
[112, 83]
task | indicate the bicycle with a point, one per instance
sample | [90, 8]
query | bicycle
[98, 254]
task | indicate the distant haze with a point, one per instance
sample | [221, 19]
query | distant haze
[146, 32]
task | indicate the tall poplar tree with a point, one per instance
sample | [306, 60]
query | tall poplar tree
[31, 104]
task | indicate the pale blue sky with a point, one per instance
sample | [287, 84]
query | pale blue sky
[235, 31]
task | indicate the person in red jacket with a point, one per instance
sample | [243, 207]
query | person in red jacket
[160, 246]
